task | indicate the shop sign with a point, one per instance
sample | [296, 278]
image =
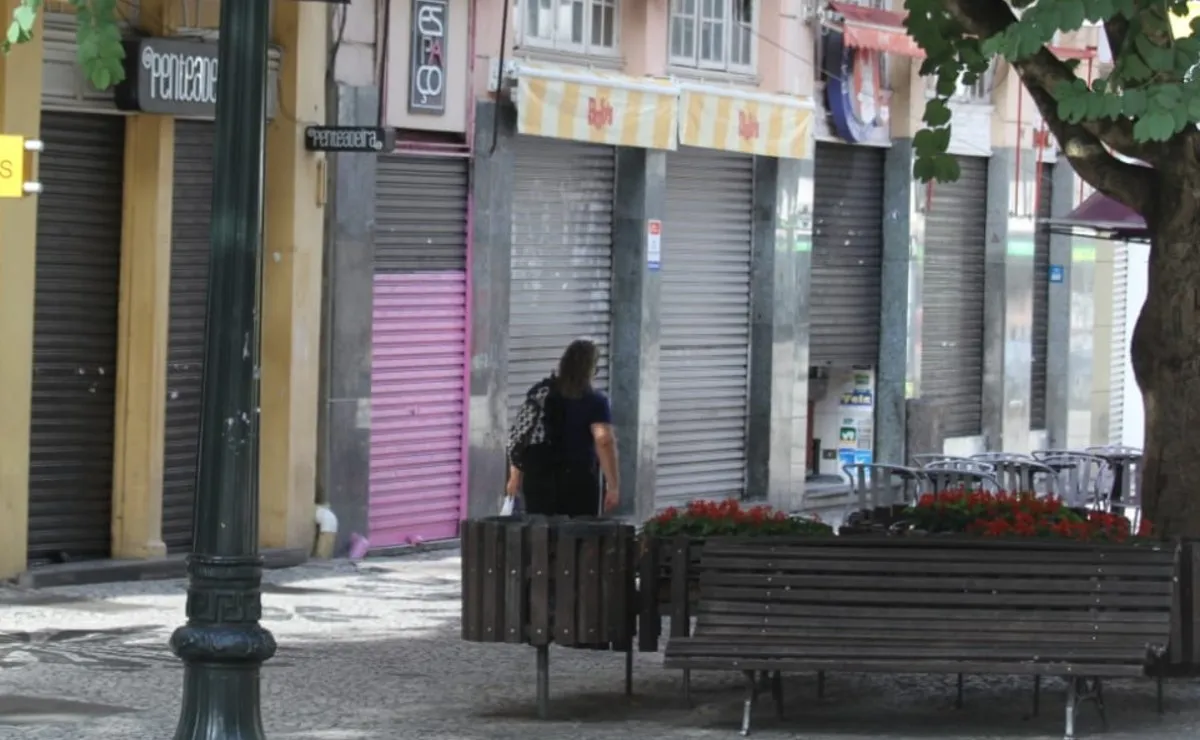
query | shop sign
[1057, 274]
[349, 139]
[854, 91]
[599, 113]
[172, 77]
[427, 70]
[16, 160]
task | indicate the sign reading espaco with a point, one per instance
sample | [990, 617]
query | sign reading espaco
[427, 71]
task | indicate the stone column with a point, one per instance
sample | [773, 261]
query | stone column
[491, 278]
[1008, 301]
[291, 289]
[20, 114]
[344, 454]
[899, 373]
[776, 449]
[641, 195]
[1068, 383]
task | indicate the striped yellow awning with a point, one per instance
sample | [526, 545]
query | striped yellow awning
[600, 107]
[741, 121]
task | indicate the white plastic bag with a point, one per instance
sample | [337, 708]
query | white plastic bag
[509, 507]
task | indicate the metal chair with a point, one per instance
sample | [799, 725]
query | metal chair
[878, 486]
[995, 457]
[1080, 476]
[1020, 474]
[1121, 489]
[928, 459]
[942, 479]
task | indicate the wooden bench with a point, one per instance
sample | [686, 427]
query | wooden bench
[931, 605]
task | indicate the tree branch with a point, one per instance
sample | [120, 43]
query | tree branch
[1131, 184]
[1046, 71]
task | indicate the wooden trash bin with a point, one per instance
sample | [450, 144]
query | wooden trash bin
[542, 580]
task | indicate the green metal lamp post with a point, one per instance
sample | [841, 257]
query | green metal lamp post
[222, 645]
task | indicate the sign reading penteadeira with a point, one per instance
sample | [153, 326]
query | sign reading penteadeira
[349, 139]
[12, 166]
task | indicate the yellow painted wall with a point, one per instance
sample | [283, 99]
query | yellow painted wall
[20, 113]
[291, 330]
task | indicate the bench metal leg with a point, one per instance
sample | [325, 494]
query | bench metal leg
[1037, 695]
[748, 706]
[687, 687]
[820, 685]
[629, 671]
[777, 692]
[1080, 690]
[958, 700]
[543, 681]
[1072, 702]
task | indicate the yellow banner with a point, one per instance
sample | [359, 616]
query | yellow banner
[598, 107]
[767, 125]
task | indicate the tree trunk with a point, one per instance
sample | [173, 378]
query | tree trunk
[1166, 362]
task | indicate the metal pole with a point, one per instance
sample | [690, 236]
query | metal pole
[222, 645]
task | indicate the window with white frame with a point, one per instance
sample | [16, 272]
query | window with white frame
[579, 26]
[713, 34]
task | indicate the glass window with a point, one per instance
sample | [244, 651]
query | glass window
[581, 26]
[712, 34]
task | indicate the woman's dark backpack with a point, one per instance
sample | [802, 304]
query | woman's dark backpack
[535, 439]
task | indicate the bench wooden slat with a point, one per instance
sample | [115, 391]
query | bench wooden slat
[1160, 587]
[934, 567]
[933, 617]
[787, 633]
[935, 649]
[785, 595]
[716, 549]
[913, 667]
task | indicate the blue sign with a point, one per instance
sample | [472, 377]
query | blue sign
[854, 90]
[1057, 274]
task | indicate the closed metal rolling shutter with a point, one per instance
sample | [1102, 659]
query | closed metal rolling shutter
[953, 298]
[191, 219]
[1120, 344]
[420, 213]
[75, 337]
[705, 327]
[847, 256]
[419, 344]
[1041, 300]
[561, 257]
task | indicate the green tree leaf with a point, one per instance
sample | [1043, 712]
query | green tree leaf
[101, 53]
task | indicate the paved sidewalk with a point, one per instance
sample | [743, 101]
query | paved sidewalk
[371, 652]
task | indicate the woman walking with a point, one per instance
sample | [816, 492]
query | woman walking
[563, 440]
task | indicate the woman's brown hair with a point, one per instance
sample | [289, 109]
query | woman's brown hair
[577, 368]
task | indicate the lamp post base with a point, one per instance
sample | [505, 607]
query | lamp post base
[223, 648]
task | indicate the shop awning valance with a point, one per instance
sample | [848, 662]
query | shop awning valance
[596, 106]
[1101, 217]
[875, 30]
[742, 121]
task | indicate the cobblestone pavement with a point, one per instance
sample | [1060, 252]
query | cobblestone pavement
[371, 652]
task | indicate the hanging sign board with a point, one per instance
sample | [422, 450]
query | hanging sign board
[12, 167]
[16, 161]
[349, 139]
[427, 65]
[175, 77]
